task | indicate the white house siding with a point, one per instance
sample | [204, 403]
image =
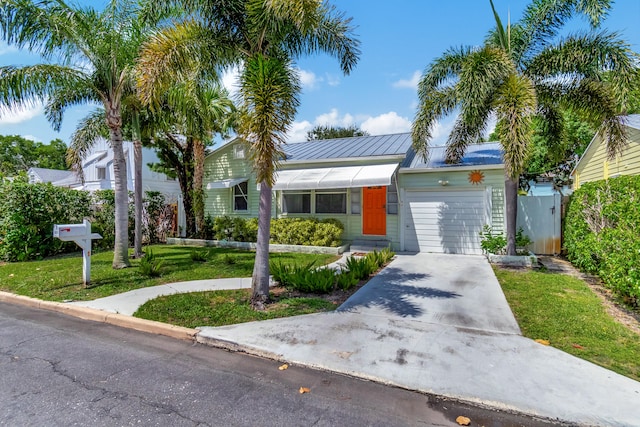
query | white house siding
[415, 185]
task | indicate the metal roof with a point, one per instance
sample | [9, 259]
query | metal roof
[51, 175]
[345, 148]
[633, 121]
[489, 153]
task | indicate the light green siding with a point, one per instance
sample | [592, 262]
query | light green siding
[459, 180]
[594, 164]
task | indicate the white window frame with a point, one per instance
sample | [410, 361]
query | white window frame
[293, 193]
[240, 194]
[101, 173]
[239, 151]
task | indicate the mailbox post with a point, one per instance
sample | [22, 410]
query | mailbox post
[82, 235]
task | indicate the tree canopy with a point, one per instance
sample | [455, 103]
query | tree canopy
[333, 132]
[18, 154]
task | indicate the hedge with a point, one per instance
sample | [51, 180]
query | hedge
[602, 233]
[28, 213]
[286, 231]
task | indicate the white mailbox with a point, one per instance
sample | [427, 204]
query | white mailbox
[82, 235]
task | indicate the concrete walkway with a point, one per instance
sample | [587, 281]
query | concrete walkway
[432, 323]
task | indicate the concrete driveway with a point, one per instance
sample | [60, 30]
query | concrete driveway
[440, 324]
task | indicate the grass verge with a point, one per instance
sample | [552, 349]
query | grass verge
[566, 312]
[60, 278]
[218, 308]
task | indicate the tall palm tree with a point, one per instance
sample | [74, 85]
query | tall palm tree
[94, 53]
[263, 37]
[526, 70]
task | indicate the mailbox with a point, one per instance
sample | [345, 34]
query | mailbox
[82, 235]
[69, 232]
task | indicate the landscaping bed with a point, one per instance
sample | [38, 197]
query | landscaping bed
[273, 247]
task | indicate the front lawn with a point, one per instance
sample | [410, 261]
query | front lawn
[218, 308]
[60, 278]
[567, 313]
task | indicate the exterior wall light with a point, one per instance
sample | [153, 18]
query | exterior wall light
[443, 182]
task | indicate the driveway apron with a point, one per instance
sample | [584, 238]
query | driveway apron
[440, 324]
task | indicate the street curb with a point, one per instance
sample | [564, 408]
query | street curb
[121, 320]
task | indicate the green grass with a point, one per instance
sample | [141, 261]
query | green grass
[565, 311]
[60, 278]
[218, 308]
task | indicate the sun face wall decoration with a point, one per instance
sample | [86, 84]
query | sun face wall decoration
[476, 177]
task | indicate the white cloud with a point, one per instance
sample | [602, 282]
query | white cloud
[332, 80]
[5, 48]
[386, 123]
[411, 83]
[31, 137]
[332, 118]
[298, 131]
[19, 114]
[308, 79]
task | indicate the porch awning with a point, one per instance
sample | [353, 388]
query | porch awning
[226, 183]
[337, 177]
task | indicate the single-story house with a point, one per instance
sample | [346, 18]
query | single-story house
[377, 186]
[39, 175]
[594, 164]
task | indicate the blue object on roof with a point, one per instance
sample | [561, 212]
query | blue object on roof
[633, 121]
[489, 153]
[354, 147]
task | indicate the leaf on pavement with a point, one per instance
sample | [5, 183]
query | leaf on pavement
[304, 390]
[543, 342]
[283, 367]
[463, 421]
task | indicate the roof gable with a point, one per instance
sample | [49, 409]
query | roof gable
[50, 175]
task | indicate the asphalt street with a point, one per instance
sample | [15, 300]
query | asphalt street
[58, 370]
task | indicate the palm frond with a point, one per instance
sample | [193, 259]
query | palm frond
[269, 89]
[515, 106]
[439, 103]
[89, 130]
[22, 85]
[543, 19]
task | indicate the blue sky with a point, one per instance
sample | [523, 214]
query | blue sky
[398, 40]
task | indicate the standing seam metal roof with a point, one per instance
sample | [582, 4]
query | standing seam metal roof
[340, 148]
[633, 120]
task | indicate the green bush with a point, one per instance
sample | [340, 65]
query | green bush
[346, 280]
[287, 231]
[497, 243]
[601, 233]
[28, 213]
[304, 278]
[199, 255]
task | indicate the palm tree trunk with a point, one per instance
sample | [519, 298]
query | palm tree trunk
[511, 201]
[198, 178]
[137, 192]
[260, 280]
[121, 244]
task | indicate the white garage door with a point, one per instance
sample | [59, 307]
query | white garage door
[444, 221]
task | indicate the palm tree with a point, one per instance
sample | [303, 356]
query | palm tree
[95, 52]
[522, 71]
[263, 38]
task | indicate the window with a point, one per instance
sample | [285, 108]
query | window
[102, 173]
[240, 199]
[334, 202]
[356, 194]
[392, 198]
[238, 151]
[296, 202]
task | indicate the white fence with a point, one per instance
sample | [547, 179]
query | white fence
[540, 218]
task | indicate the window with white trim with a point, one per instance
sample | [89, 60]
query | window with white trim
[102, 173]
[238, 151]
[392, 198]
[240, 197]
[296, 202]
[332, 201]
[356, 195]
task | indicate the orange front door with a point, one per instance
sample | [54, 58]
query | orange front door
[374, 212]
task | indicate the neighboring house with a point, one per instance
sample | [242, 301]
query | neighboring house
[594, 164]
[38, 175]
[376, 186]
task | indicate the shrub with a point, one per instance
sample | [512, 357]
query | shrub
[361, 268]
[497, 243]
[199, 255]
[346, 280]
[149, 265]
[601, 233]
[228, 259]
[28, 213]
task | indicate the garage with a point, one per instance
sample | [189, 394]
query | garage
[444, 221]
